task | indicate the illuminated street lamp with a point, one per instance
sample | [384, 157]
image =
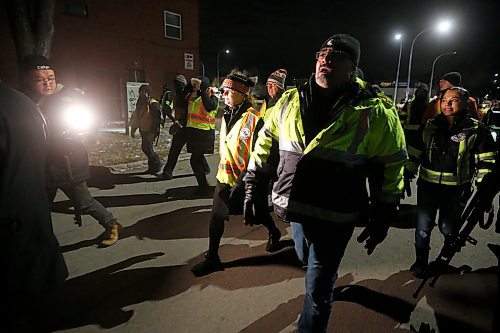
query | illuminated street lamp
[218, 55]
[442, 27]
[397, 37]
[434, 64]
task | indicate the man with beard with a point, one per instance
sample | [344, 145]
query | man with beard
[333, 134]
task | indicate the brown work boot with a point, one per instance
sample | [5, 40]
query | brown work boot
[111, 235]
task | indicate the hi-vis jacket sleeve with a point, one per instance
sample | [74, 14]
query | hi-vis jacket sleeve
[263, 158]
[387, 156]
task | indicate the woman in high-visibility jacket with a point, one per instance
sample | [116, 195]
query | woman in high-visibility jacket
[240, 124]
[455, 148]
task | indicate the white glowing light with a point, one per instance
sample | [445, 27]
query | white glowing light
[444, 26]
[78, 117]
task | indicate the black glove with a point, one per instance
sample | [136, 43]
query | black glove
[174, 128]
[255, 203]
[408, 177]
[203, 86]
[378, 225]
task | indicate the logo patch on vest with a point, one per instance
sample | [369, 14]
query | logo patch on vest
[458, 137]
[245, 133]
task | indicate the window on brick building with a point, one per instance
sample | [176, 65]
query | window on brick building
[173, 25]
[76, 8]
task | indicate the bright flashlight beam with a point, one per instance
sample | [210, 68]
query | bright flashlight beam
[78, 118]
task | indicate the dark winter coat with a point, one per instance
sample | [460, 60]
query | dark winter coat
[30, 256]
[64, 148]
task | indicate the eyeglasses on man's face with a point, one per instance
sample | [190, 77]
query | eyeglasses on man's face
[321, 55]
[43, 81]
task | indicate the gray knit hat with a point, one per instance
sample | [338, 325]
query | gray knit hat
[278, 77]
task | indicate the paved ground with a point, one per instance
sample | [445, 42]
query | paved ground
[143, 283]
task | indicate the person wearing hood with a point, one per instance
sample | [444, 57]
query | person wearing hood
[456, 147]
[240, 125]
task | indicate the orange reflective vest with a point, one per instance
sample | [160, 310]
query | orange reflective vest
[198, 117]
[236, 146]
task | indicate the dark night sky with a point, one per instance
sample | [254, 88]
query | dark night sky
[266, 35]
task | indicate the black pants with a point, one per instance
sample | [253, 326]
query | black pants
[87, 204]
[199, 165]
[223, 206]
[178, 141]
[147, 147]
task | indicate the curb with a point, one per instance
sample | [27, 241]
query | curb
[144, 163]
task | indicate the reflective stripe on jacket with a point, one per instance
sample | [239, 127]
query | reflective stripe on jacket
[198, 117]
[326, 178]
[466, 150]
[236, 146]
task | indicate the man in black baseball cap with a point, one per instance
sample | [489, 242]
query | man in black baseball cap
[38, 78]
[67, 163]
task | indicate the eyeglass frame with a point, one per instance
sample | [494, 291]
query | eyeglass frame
[328, 52]
[45, 81]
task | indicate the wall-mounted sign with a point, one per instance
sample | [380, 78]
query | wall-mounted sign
[188, 61]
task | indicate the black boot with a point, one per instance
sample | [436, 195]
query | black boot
[420, 267]
[209, 264]
[273, 243]
[167, 173]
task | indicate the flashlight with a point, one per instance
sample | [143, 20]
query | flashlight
[78, 118]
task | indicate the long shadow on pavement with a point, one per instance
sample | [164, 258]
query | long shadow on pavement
[457, 304]
[173, 194]
[99, 298]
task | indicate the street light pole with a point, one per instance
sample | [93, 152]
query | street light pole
[397, 37]
[409, 63]
[442, 26]
[218, 55]
[434, 64]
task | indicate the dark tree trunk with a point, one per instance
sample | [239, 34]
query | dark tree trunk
[32, 27]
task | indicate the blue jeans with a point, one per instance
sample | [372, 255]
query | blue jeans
[88, 205]
[322, 245]
[449, 200]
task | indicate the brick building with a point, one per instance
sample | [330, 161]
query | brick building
[100, 45]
